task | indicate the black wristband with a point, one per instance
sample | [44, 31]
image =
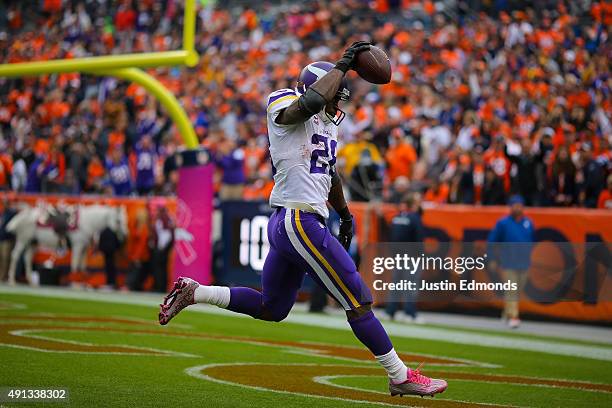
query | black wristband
[345, 214]
[342, 66]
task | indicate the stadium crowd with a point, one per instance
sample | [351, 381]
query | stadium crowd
[487, 99]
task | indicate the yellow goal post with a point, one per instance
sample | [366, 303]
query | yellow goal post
[128, 67]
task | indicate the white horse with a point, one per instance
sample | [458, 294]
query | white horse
[91, 221]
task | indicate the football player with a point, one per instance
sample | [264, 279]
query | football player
[303, 129]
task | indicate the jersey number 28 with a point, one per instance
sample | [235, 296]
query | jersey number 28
[323, 158]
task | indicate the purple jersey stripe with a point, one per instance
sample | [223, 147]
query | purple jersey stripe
[275, 97]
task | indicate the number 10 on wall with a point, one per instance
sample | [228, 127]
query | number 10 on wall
[254, 244]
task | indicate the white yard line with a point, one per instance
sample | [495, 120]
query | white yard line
[456, 336]
[198, 372]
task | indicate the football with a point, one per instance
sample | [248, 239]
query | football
[374, 66]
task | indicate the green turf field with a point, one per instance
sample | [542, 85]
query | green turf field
[108, 353]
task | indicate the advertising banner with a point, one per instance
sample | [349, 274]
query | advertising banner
[245, 242]
[576, 237]
[194, 209]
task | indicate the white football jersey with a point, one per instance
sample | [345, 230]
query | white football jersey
[303, 156]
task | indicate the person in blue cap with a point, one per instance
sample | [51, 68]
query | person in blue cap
[510, 245]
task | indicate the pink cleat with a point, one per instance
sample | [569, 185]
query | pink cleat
[179, 298]
[417, 384]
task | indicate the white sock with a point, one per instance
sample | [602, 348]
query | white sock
[213, 295]
[396, 369]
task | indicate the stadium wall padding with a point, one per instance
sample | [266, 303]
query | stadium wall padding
[445, 222]
[472, 223]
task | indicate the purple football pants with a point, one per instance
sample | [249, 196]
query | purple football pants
[301, 243]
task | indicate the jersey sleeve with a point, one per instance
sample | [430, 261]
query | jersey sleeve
[277, 101]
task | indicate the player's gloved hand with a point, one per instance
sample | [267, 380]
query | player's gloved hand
[347, 61]
[345, 235]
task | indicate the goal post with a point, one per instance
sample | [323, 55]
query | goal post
[128, 67]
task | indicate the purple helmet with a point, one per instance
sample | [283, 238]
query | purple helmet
[315, 70]
[311, 73]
